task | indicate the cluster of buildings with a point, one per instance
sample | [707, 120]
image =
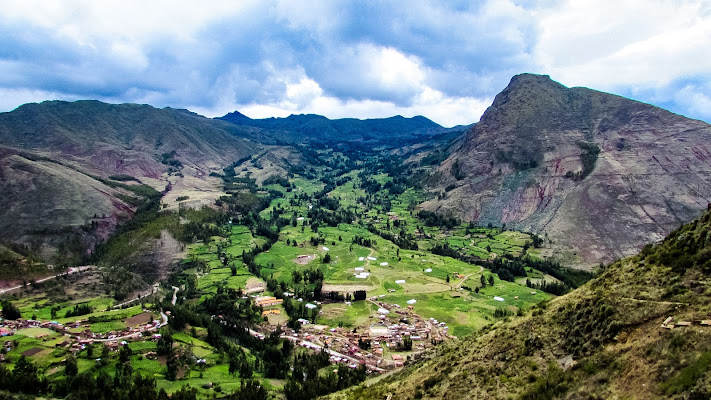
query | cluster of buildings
[394, 324]
[78, 340]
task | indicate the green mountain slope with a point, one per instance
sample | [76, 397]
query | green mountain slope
[604, 340]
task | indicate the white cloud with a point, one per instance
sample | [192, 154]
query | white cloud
[128, 56]
[135, 20]
[613, 43]
[304, 96]
[12, 98]
[443, 60]
[696, 99]
[392, 70]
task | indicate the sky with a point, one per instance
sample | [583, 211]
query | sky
[445, 60]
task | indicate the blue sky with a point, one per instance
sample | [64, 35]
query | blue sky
[444, 60]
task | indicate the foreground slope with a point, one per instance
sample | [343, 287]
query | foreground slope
[598, 173]
[604, 340]
[69, 172]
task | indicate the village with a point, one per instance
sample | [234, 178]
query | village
[380, 347]
[78, 333]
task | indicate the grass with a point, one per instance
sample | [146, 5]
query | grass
[687, 376]
[35, 332]
[104, 327]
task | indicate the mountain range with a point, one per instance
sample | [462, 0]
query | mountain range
[310, 127]
[599, 175]
[72, 171]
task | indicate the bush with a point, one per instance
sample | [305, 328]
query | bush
[123, 178]
[687, 377]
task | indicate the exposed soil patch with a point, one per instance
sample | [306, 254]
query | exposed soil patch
[140, 319]
[328, 287]
[254, 285]
[31, 352]
[305, 259]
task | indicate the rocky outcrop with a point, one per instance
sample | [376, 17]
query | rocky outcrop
[597, 173]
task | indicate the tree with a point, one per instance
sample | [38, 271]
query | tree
[296, 276]
[185, 393]
[70, 368]
[364, 344]
[250, 390]
[327, 258]
[245, 369]
[406, 343]
[483, 281]
[9, 311]
[447, 278]
[125, 353]
[491, 280]
[172, 368]
[233, 364]
[164, 346]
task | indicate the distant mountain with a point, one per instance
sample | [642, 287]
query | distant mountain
[637, 331]
[298, 128]
[70, 171]
[598, 173]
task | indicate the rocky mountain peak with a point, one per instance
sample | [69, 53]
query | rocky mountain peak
[597, 172]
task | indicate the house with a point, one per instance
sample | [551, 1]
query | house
[267, 301]
[273, 311]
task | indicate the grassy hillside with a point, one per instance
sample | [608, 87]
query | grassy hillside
[16, 261]
[604, 340]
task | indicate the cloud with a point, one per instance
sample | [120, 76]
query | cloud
[443, 60]
[640, 43]
[304, 96]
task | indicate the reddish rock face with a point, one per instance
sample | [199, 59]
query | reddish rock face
[524, 165]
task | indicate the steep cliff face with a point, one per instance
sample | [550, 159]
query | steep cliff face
[598, 173]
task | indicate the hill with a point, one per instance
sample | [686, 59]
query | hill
[310, 127]
[613, 338]
[598, 173]
[71, 171]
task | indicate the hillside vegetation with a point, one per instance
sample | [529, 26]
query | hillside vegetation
[604, 340]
